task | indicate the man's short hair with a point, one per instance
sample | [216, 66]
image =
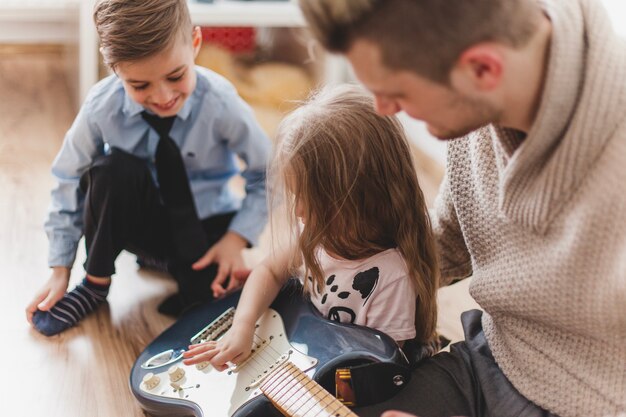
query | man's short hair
[130, 30]
[424, 36]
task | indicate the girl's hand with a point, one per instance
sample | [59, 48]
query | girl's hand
[227, 254]
[234, 347]
[50, 293]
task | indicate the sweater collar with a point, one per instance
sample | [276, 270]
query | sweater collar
[578, 113]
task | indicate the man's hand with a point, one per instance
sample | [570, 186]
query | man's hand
[50, 293]
[234, 347]
[396, 414]
[227, 254]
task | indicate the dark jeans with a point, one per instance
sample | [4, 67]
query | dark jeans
[464, 382]
[123, 211]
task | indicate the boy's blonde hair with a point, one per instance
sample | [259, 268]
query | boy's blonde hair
[423, 36]
[351, 172]
[130, 30]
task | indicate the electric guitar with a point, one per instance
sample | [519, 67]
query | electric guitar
[291, 338]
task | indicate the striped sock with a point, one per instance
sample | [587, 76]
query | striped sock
[70, 309]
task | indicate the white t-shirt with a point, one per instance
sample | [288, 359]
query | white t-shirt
[375, 292]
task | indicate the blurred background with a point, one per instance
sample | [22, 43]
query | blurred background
[260, 45]
[48, 61]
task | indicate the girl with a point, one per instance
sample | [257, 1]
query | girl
[360, 231]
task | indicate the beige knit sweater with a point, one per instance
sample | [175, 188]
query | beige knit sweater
[540, 224]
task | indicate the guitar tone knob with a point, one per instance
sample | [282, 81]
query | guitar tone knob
[151, 380]
[200, 366]
[176, 373]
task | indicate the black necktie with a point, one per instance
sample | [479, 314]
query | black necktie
[187, 231]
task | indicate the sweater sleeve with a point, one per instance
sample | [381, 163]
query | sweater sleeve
[455, 260]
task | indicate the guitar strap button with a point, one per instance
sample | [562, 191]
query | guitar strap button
[398, 380]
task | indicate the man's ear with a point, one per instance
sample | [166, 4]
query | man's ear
[479, 68]
[196, 40]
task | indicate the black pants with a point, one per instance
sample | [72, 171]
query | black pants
[123, 211]
[464, 382]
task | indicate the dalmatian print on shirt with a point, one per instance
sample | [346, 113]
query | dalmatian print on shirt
[363, 285]
[376, 292]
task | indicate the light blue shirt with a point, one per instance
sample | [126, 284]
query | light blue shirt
[213, 127]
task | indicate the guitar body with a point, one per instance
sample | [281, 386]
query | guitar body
[291, 331]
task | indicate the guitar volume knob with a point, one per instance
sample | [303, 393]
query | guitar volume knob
[176, 373]
[151, 380]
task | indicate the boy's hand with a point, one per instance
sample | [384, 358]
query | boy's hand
[227, 254]
[50, 293]
[234, 347]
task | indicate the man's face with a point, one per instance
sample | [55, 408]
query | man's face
[447, 113]
[163, 82]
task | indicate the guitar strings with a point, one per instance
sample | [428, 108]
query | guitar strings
[257, 361]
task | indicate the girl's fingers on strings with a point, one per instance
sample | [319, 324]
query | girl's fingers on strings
[220, 360]
[220, 367]
[204, 345]
[239, 359]
[199, 356]
[203, 357]
[209, 343]
[197, 349]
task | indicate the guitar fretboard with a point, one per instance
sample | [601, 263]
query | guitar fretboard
[297, 395]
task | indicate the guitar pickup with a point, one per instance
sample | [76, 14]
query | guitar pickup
[259, 379]
[216, 329]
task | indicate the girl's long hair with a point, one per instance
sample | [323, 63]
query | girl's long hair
[351, 172]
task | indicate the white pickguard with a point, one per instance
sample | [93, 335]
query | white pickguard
[220, 394]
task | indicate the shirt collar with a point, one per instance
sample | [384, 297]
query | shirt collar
[131, 107]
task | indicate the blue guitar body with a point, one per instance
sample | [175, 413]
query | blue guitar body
[316, 345]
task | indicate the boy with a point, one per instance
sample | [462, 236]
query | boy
[145, 168]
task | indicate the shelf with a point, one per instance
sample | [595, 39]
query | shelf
[40, 11]
[239, 13]
[51, 17]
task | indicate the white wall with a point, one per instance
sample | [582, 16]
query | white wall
[45, 21]
[617, 11]
[38, 21]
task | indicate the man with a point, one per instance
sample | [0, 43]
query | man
[533, 205]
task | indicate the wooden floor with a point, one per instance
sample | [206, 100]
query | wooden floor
[84, 371]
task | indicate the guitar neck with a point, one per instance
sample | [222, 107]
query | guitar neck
[297, 395]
